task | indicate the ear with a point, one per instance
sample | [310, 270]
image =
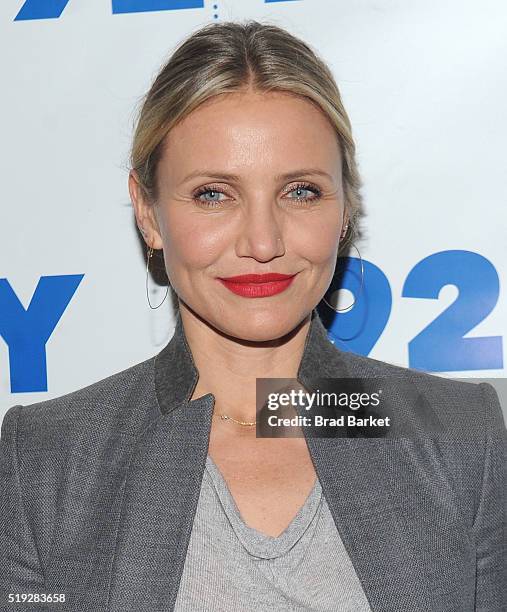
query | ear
[144, 211]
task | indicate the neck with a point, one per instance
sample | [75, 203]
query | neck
[228, 366]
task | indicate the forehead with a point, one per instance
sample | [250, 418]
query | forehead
[252, 132]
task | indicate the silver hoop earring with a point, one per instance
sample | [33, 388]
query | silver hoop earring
[150, 255]
[360, 287]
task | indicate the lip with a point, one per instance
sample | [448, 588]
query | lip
[258, 285]
[257, 278]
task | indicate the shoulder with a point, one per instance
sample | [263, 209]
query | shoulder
[119, 404]
[472, 446]
[461, 406]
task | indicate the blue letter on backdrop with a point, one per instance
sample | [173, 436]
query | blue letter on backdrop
[27, 331]
[41, 9]
[358, 329]
[52, 9]
[442, 346]
[142, 6]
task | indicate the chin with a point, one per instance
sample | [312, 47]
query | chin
[260, 325]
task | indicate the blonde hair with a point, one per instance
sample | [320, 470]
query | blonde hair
[229, 57]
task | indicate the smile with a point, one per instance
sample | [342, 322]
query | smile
[258, 285]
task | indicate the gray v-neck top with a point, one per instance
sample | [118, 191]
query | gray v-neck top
[232, 567]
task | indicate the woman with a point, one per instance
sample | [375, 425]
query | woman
[149, 490]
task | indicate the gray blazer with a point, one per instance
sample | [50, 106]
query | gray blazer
[99, 488]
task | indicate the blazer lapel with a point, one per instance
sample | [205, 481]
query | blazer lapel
[162, 488]
[387, 495]
[160, 500]
[369, 484]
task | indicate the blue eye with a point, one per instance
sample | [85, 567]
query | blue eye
[206, 190]
[208, 203]
[308, 188]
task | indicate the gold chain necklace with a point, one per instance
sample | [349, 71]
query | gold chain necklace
[224, 417]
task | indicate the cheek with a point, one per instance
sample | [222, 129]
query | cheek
[190, 241]
[316, 238]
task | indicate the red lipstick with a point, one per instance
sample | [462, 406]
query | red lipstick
[258, 285]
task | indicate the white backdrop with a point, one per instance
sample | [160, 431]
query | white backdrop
[425, 85]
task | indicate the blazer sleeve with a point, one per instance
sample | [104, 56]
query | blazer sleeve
[20, 568]
[490, 520]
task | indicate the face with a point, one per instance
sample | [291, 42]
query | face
[249, 183]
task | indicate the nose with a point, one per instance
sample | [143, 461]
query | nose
[261, 235]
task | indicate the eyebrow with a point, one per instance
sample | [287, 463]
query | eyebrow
[288, 176]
